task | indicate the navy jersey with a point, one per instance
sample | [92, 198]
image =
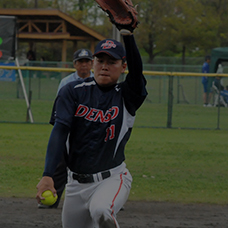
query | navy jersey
[100, 119]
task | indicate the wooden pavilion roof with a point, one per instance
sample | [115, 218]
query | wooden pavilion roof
[37, 25]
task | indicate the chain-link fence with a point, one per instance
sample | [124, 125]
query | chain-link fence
[186, 111]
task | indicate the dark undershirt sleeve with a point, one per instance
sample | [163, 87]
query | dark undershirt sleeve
[135, 83]
[55, 148]
[135, 76]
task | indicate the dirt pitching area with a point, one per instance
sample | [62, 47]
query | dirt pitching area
[24, 213]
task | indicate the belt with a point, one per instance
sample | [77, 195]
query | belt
[89, 178]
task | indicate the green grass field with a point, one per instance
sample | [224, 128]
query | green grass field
[178, 165]
[173, 165]
[149, 115]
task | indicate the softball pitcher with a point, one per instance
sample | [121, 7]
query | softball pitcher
[96, 116]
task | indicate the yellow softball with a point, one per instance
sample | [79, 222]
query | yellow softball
[50, 199]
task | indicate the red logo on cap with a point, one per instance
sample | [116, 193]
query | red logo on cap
[108, 44]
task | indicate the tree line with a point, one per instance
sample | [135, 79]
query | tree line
[167, 27]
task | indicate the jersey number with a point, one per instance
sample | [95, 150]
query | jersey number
[110, 133]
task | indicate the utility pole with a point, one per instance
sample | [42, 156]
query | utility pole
[115, 33]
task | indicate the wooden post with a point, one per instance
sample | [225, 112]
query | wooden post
[92, 46]
[64, 47]
[75, 45]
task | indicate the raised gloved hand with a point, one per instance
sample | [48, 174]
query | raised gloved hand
[122, 14]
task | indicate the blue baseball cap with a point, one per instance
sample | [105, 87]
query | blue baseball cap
[112, 48]
[82, 54]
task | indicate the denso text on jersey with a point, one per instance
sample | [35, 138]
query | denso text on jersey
[93, 114]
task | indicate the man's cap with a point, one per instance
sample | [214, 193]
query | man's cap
[83, 54]
[112, 48]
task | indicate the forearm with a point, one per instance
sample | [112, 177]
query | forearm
[55, 149]
[134, 60]
[135, 78]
